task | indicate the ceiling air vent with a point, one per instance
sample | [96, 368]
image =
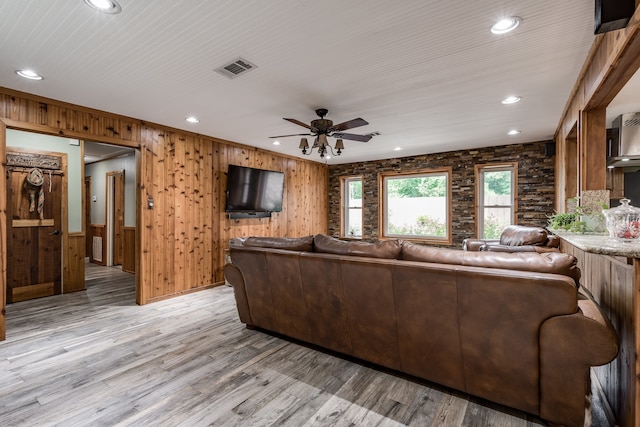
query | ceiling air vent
[238, 67]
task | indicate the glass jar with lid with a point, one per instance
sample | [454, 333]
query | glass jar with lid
[623, 222]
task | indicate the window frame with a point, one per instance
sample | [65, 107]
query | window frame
[344, 208]
[479, 171]
[382, 205]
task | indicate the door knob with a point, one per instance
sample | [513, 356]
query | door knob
[56, 232]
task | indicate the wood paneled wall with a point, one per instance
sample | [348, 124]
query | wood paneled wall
[73, 273]
[129, 250]
[612, 61]
[182, 239]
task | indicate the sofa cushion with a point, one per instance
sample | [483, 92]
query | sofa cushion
[389, 249]
[416, 252]
[548, 262]
[330, 245]
[289, 243]
[518, 235]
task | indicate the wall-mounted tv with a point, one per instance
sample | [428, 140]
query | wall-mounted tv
[252, 191]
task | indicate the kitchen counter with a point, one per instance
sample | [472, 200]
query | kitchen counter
[600, 244]
[611, 273]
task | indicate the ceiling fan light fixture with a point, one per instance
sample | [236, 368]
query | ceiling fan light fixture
[506, 25]
[321, 129]
[304, 145]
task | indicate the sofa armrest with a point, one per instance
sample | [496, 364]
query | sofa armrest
[569, 346]
[476, 245]
[234, 276]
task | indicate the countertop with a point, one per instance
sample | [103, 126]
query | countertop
[600, 244]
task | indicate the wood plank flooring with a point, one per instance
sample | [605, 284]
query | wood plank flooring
[95, 358]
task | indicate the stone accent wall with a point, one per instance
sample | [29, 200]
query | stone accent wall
[535, 185]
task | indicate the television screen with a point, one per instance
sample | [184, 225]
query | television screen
[254, 190]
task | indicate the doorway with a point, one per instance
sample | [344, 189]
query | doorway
[110, 210]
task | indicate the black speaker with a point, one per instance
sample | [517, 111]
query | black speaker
[550, 149]
[613, 14]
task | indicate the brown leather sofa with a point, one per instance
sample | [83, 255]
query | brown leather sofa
[516, 238]
[511, 328]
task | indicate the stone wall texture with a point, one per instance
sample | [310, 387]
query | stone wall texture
[535, 185]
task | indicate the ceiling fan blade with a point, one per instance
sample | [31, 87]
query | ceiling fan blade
[295, 134]
[299, 123]
[348, 125]
[351, 136]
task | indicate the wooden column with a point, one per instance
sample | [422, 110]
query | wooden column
[593, 152]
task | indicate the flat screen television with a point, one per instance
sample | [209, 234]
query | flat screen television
[252, 190]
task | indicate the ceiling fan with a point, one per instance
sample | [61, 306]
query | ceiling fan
[322, 128]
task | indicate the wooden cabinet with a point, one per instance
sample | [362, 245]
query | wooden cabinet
[614, 282]
[615, 182]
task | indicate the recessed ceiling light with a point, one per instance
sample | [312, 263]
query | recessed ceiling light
[192, 119]
[397, 149]
[29, 74]
[610, 167]
[505, 25]
[276, 142]
[625, 159]
[513, 132]
[327, 157]
[511, 99]
[105, 6]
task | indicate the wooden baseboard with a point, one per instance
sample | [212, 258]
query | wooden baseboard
[39, 290]
[201, 288]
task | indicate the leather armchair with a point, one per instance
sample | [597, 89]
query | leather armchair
[516, 238]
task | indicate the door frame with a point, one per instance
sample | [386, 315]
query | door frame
[114, 227]
[3, 232]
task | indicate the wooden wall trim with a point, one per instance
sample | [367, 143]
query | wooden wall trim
[188, 291]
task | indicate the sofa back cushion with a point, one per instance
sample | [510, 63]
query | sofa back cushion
[518, 235]
[287, 243]
[548, 262]
[389, 249]
[416, 252]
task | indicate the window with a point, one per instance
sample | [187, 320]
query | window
[496, 198]
[352, 207]
[417, 205]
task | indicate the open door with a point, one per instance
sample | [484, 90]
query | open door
[34, 226]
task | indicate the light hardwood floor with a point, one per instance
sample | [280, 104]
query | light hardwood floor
[95, 358]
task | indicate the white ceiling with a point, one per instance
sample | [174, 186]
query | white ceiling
[427, 74]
